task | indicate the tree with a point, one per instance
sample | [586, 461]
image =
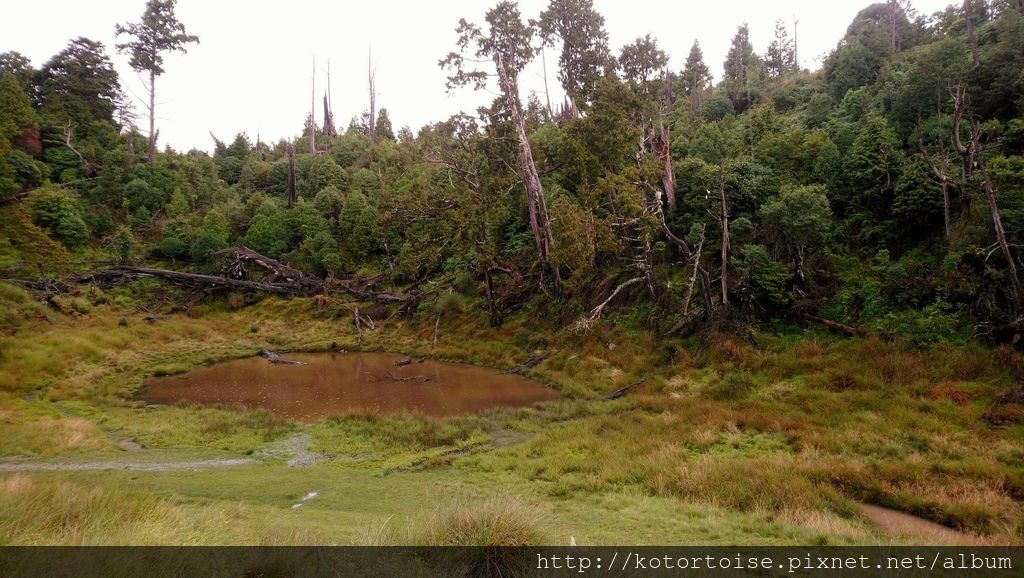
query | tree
[17, 64]
[742, 70]
[695, 78]
[507, 43]
[642, 61]
[584, 54]
[59, 212]
[383, 126]
[16, 114]
[780, 57]
[158, 32]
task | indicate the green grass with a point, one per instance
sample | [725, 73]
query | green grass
[723, 442]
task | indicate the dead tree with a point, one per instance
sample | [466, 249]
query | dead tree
[725, 237]
[540, 223]
[972, 38]
[941, 172]
[693, 256]
[894, 38]
[329, 129]
[69, 129]
[312, 112]
[371, 74]
[971, 153]
[291, 174]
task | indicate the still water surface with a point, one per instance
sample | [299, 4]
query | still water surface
[336, 383]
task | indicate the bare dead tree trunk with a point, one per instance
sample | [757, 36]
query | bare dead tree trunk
[941, 172]
[972, 38]
[966, 152]
[997, 223]
[540, 223]
[725, 239]
[894, 9]
[151, 154]
[291, 175]
[371, 73]
[668, 176]
[312, 112]
[69, 130]
[973, 157]
[492, 306]
[547, 95]
[329, 128]
[693, 278]
[694, 257]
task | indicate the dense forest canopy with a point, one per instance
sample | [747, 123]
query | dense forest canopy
[885, 190]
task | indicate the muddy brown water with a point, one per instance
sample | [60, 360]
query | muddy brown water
[338, 383]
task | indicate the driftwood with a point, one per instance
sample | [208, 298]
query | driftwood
[533, 361]
[622, 390]
[276, 359]
[847, 329]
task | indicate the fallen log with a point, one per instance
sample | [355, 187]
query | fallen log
[847, 329]
[533, 361]
[235, 268]
[389, 377]
[622, 390]
[276, 359]
[690, 317]
[121, 275]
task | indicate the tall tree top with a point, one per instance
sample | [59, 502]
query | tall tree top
[159, 31]
[642, 60]
[585, 54]
[507, 39]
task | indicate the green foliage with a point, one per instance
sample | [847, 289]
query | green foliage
[59, 212]
[939, 322]
[123, 242]
[357, 227]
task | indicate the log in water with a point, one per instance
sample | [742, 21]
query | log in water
[338, 383]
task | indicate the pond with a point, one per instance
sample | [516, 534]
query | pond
[336, 383]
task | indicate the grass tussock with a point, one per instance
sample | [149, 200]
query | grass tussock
[497, 521]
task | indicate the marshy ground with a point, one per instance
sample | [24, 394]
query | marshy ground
[724, 443]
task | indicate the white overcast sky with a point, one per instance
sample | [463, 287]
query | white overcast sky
[251, 72]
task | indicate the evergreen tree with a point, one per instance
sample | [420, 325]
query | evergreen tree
[584, 56]
[384, 129]
[695, 78]
[742, 70]
[158, 31]
[780, 59]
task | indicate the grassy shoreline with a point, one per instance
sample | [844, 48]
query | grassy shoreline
[773, 444]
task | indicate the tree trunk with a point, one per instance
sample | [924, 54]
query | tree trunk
[725, 240]
[997, 223]
[972, 38]
[312, 113]
[151, 154]
[291, 175]
[894, 38]
[668, 176]
[373, 101]
[540, 224]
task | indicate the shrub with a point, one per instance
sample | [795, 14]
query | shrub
[57, 211]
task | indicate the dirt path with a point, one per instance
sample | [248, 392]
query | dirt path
[904, 524]
[28, 466]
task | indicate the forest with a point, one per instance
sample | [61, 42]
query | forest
[769, 302]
